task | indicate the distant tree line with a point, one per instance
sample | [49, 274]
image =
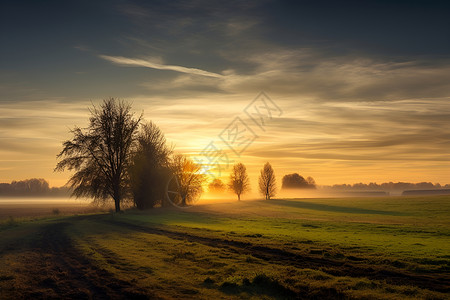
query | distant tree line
[387, 186]
[34, 187]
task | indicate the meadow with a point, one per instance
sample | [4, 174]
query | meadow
[330, 248]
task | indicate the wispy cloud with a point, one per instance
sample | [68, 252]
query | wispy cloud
[120, 60]
[304, 73]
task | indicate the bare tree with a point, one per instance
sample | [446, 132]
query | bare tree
[267, 182]
[101, 153]
[149, 170]
[239, 181]
[187, 180]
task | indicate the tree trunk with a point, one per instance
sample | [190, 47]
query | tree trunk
[239, 197]
[117, 203]
[117, 199]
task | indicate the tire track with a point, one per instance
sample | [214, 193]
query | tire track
[57, 269]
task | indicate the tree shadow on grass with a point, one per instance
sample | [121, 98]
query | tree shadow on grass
[333, 208]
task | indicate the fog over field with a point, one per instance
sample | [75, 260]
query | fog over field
[40, 206]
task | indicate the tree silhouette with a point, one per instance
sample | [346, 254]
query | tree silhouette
[296, 181]
[267, 183]
[187, 180]
[28, 187]
[239, 181]
[149, 170]
[216, 186]
[311, 181]
[101, 153]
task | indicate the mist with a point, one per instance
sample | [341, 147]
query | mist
[30, 207]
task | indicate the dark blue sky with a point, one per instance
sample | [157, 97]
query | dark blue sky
[393, 28]
[378, 27]
[48, 42]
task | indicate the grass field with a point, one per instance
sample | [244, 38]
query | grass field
[371, 248]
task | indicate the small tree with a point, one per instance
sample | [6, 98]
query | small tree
[216, 186]
[239, 181]
[267, 184]
[101, 153]
[187, 180]
[311, 182]
[149, 171]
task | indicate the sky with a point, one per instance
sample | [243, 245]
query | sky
[357, 91]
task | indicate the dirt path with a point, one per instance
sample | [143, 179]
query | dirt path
[438, 282]
[55, 269]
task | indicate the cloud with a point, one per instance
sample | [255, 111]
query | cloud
[387, 132]
[120, 60]
[304, 73]
[310, 73]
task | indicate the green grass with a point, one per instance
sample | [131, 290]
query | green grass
[277, 249]
[399, 227]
